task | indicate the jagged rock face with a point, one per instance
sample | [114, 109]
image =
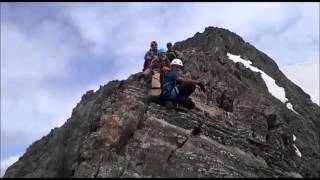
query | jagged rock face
[238, 129]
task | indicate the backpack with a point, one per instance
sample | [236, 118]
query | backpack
[174, 54]
[168, 85]
[178, 54]
[154, 84]
[155, 89]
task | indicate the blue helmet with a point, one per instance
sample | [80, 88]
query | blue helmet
[160, 51]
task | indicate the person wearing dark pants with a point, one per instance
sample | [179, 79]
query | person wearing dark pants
[185, 90]
[176, 88]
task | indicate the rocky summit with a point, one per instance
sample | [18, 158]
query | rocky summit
[239, 127]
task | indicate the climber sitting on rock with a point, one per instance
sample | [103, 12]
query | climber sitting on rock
[175, 89]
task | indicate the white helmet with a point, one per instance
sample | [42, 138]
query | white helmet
[177, 62]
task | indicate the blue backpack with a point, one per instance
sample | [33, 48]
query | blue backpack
[169, 91]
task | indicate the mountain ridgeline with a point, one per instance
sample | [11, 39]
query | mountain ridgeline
[237, 129]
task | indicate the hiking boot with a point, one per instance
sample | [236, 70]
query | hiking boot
[188, 103]
[169, 105]
[181, 109]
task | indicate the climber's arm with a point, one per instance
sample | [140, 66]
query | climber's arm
[186, 80]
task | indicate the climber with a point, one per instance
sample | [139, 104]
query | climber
[175, 89]
[161, 64]
[172, 53]
[150, 55]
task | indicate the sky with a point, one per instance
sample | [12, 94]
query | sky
[52, 53]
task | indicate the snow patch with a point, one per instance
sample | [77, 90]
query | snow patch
[289, 106]
[295, 147]
[294, 137]
[273, 88]
[297, 151]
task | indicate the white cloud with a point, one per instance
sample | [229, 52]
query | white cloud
[28, 63]
[274, 28]
[306, 76]
[25, 64]
[299, 30]
[7, 162]
[12, 138]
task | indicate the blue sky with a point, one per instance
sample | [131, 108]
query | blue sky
[52, 53]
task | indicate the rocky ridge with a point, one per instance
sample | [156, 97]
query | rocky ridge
[238, 129]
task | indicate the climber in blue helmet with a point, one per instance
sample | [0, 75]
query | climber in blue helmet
[162, 63]
[160, 51]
